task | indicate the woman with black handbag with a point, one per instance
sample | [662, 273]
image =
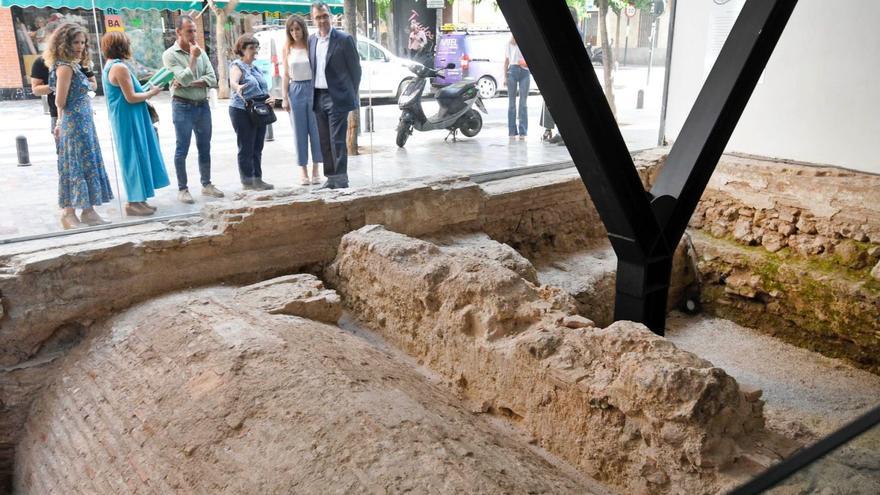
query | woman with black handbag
[250, 111]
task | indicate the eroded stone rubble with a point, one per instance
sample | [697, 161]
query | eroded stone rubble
[621, 403]
[203, 390]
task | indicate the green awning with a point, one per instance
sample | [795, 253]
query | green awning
[283, 6]
[107, 4]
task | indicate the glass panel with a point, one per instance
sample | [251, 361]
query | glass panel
[851, 469]
[390, 41]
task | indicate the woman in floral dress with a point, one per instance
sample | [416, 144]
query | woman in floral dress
[82, 180]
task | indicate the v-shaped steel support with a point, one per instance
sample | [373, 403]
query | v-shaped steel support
[644, 227]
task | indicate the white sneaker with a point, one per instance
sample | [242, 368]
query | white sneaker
[210, 190]
[185, 197]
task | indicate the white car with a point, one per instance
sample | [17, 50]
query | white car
[384, 74]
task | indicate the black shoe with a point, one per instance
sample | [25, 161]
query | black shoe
[327, 185]
[557, 139]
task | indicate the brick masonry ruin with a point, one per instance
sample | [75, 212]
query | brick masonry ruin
[824, 298]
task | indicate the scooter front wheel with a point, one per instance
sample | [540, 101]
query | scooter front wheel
[403, 132]
[471, 123]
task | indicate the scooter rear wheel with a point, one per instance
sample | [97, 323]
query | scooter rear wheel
[471, 123]
[403, 132]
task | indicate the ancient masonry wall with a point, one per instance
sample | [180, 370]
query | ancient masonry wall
[622, 404]
[794, 250]
[51, 291]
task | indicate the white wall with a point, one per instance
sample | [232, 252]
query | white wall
[819, 99]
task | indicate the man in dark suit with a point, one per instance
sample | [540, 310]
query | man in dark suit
[337, 74]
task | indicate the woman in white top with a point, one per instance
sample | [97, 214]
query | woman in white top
[297, 100]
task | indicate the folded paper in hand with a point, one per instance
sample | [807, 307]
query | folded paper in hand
[160, 78]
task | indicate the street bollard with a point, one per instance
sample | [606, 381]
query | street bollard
[640, 100]
[368, 118]
[213, 98]
[270, 134]
[21, 146]
[45, 101]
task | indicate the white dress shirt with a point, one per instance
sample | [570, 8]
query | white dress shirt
[321, 60]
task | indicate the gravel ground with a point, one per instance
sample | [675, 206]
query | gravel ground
[807, 395]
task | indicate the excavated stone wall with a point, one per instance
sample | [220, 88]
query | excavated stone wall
[223, 390]
[794, 250]
[52, 291]
[624, 405]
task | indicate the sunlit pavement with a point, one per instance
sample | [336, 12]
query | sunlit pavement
[28, 204]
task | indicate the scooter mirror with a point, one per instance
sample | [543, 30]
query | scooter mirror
[450, 65]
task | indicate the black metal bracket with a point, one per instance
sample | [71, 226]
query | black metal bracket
[644, 227]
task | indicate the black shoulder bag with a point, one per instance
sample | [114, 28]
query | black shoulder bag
[259, 112]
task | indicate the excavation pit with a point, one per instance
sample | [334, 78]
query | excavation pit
[474, 352]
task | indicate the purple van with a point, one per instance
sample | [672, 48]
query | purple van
[450, 49]
[477, 56]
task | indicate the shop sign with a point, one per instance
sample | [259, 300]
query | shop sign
[113, 21]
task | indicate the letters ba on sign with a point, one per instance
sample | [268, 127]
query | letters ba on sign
[113, 21]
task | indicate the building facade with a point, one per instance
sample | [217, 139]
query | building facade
[25, 27]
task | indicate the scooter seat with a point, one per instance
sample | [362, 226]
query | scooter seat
[455, 90]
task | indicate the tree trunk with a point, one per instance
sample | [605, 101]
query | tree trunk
[607, 55]
[222, 49]
[617, 33]
[222, 62]
[351, 139]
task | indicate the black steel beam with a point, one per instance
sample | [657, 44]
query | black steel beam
[551, 45]
[716, 112]
[644, 228]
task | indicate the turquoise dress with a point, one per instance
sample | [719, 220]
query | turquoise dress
[140, 158]
[82, 180]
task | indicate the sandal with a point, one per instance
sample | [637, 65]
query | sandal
[91, 217]
[304, 181]
[70, 221]
[137, 210]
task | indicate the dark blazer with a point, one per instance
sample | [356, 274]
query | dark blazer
[343, 69]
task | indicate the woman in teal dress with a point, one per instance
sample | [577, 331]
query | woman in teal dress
[143, 170]
[82, 180]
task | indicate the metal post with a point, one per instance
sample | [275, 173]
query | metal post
[45, 100]
[368, 119]
[670, 39]
[270, 133]
[651, 40]
[21, 148]
[626, 41]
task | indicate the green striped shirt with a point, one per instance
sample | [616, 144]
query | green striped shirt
[177, 61]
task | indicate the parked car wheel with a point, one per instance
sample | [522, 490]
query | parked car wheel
[487, 87]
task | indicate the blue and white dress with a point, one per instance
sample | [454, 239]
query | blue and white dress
[82, 180]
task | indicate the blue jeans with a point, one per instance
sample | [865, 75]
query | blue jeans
[517, 83]
[250, 145]
[192, 118]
